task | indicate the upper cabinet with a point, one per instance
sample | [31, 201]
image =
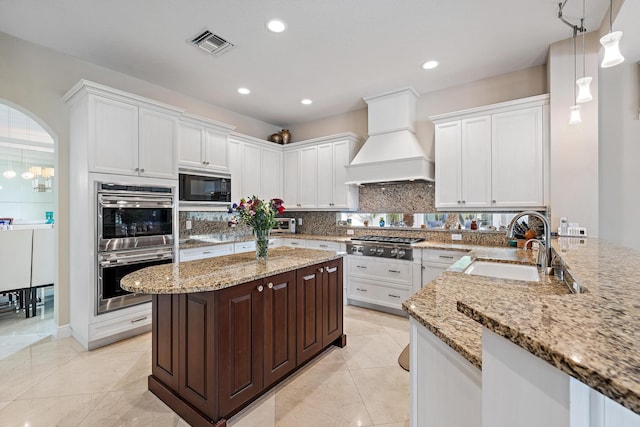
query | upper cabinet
[203, 144]
[315, 173]
[493, 157]
[123, 134]
[256, 168]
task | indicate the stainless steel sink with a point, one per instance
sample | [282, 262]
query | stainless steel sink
[502, 270]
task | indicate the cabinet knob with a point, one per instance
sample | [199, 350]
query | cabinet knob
[464, 201]
[260, 288]
[321, 270]
[204, 162]
[142, 170]
[459, 202]
[493, 201]
[137, 169]
[270, 285]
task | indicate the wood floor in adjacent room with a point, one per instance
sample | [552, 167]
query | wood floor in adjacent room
[55, 382]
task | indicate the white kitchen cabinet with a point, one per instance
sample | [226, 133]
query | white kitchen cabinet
[291, 181]
[128, 139]
[203, 144]
[256, 168]
[518, 158]
[436, 261]
[445, 388]
[308, 177]
[202, 252]
[493, 157]
[315, 173]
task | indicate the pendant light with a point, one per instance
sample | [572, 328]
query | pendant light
[27, 174]
[584, 92]
[575, 117]
[610, 42]
[9, 173]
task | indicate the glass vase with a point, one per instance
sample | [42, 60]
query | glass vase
[262, 243]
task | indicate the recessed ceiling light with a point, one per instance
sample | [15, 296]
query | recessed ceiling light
[276, 25]
[430, 65]
[307, 101]
[244, 91]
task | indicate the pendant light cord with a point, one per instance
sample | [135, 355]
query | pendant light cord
[610, 16]
[575, 76]
[584, 30]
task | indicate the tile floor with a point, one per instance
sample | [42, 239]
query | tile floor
[56, 383]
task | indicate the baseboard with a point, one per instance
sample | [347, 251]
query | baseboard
[63, 331]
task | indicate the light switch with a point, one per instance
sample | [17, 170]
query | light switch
[189, 225]
[456, 236]
[350, 232]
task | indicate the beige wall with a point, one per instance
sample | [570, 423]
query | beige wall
[36, 78]
[353, 121]
[574, 148]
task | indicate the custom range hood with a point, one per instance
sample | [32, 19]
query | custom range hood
[392, 152]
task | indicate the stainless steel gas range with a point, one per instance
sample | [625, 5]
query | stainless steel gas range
[382, 271]
[383, 246]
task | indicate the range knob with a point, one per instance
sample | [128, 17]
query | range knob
[401, 253]
[380, 251]
[372, 250]
[394, 251]
[354, 249]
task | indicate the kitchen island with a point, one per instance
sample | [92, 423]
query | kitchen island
[227, 329]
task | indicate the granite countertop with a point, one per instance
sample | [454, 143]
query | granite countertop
[213, 240]
[216, 273]
[593, 336]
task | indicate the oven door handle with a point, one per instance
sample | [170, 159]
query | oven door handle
[133, 259]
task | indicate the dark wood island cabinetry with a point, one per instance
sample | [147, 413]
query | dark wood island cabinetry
[216, 351]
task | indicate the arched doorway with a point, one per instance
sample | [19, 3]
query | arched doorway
[28, 162]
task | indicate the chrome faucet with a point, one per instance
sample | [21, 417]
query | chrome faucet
[547, 234]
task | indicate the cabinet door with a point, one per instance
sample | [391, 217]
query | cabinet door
[308, 177]
[251, 170]
[476, 162]
[332, 302]
[165, 347]
[279, 326]
[239, 330]
[517, 158]
[235, 168]
[344, 196]
[157, 148]
[216, 150]
[326, 174]
[197, 378]
[291, 188]
[271, 171]
[115, 137]
[448, 171]
[309, 328]
[191, 145]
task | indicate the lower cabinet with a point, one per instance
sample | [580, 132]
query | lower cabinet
[217, 351]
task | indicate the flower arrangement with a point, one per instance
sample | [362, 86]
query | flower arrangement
[260, 216]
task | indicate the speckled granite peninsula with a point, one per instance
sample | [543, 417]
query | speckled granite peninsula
[221, 272]
[593, 336]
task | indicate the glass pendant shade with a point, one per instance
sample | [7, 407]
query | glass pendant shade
[27, 175]
[10, 173]
[612, 55]
[584, 92]
[575, 115]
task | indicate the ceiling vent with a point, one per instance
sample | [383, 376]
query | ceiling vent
[211, 43]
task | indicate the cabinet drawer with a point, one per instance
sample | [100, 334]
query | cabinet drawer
[376, 293]
[120, 324]
[381, 269]
[323, 245]
[205, 252]
[247, 246]
[442, 256]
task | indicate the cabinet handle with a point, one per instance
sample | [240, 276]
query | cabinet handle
[139, 320]
[324, 246]
[446, 256]
[260, 288]
[309, 277]
[395, 271]
[321, 270]
[364, 267]
[295, 243]
[331, 270]
[361, 290]
[394, 296]
[270, 285]
[206, 252]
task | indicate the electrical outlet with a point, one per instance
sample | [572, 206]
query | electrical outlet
[299, 221]
[189, 225]
[350, 232]
[456, 236]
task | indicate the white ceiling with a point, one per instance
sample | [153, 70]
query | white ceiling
[334, 51]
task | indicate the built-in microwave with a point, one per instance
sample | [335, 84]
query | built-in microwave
[284, 226]
[199, 187]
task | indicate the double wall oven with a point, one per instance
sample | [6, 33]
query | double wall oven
[135, 230]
